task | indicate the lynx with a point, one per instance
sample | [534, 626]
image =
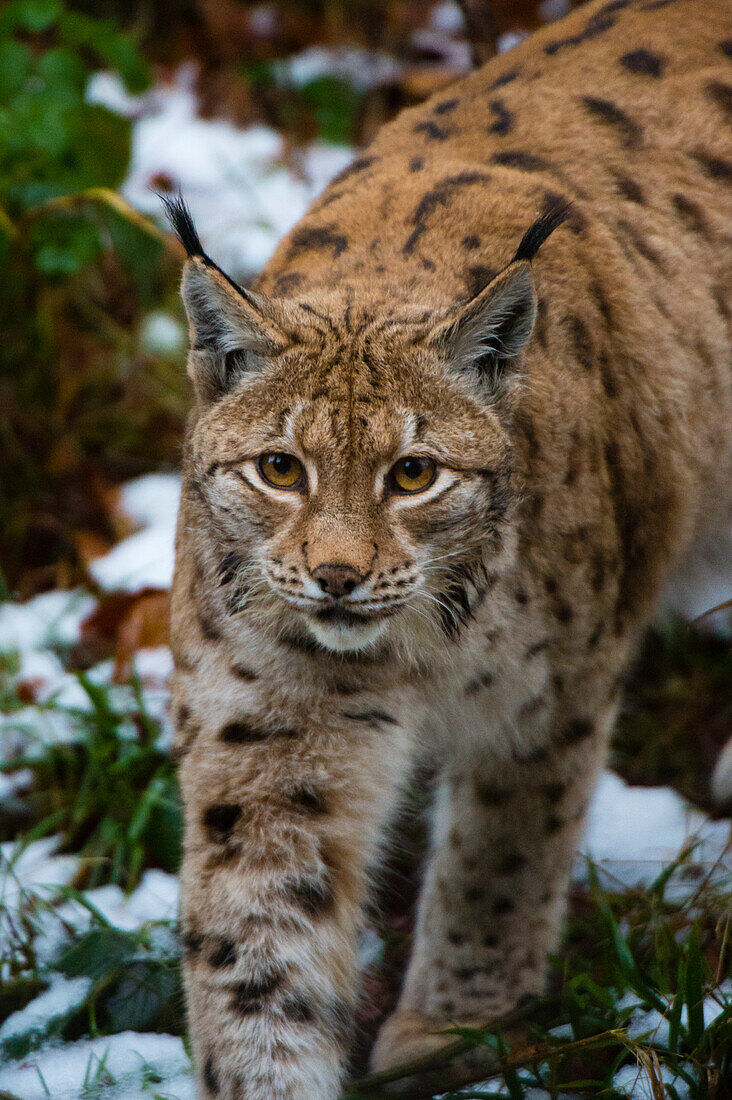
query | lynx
[445, 460]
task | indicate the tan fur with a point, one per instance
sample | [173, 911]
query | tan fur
[503, 604]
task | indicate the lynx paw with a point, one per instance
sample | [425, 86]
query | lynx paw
[407, 1036]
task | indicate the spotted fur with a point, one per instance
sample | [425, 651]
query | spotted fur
[528, 279]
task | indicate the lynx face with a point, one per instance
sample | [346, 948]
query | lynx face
[356, 470]
[345, 502]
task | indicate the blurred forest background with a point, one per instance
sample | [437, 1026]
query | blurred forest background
[249, 109]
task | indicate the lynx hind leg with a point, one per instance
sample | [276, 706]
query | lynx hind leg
[494, 893]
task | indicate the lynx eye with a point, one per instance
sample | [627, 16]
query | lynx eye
[281, 470]
[412, 474]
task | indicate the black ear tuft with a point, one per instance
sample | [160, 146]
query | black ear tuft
[536, 234]
[180, 219]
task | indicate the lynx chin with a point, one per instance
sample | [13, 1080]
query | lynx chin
[445, 460]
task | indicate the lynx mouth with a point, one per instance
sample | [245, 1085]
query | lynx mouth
[342, 616]
[343, 631]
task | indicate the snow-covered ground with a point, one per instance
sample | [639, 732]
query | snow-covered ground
[242, 194]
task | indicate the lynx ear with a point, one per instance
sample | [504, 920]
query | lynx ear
[491, 330]
[487, 335]
[231, 329]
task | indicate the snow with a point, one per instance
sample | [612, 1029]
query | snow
[242, 195]
[61, 997]
[636, 1083]
[123, 1060]
[51, 619]
[632, 833]
[162, 334]
[363, 69]
[145, 559]
[447, 17]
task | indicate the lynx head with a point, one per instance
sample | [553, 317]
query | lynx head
[355, 467]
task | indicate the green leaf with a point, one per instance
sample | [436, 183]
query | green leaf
[31, 15]
[102, 950]
[141, 995]
[64, 246]
[16, 61]
[100, 147]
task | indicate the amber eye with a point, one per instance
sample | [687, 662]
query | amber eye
[412, 474]
[283, 471]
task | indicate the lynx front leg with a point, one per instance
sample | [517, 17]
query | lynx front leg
[494, 892]
[280, 827]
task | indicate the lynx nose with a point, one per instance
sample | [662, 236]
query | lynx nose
[337, 580]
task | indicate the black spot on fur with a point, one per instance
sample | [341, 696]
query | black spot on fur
[371, 717]
[563, 612]
[208, 626]
[313, 896]
[721, 94]
[490, 940]
[439, 195]
[503, 123]
[537, 647]
[456, 605]
[219, 821]
[691, 214]
[517, 158]
[553, 791]
[641, 245]
[583, 346]
[317, 238]
[479, 683]
[630, 132]
[309, 799]
[243, 732]
[242, 673]
[228, 567]
[446, 106]
[248, 996]
[600, 22]
[721, 298]
[715, 167]
[726, 47]
[503, 905]
[455, 938]
[210, 1077]
[416, 164]
[470, 242]
[285, 284]
[192, 942]
[354, 169]
[505, 78]
[298, 1009]
[628, 188]
[577, 730]
[489, 795]
[512, 863]
[477, 277]
[643, 62]
[223, 955]
[553, 823]
[432, 131]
